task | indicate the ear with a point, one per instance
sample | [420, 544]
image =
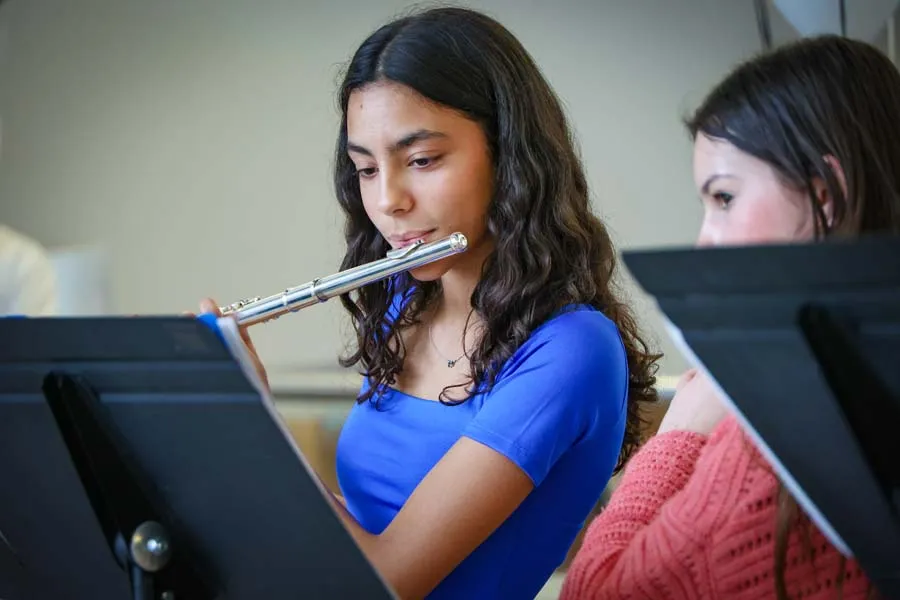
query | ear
[826, 202]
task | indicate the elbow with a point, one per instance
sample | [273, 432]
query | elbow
[400, 572]
[588, 578]
[404, 571]
[406, 584]
[411, 577]
[582, 589]
[575, 588]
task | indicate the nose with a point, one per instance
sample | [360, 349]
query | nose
[704, 240]
[707, 236]
[394, 197]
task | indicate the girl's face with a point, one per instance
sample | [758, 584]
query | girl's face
[424, 170]
[744, 199]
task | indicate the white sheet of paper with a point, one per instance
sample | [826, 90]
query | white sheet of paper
[793, 487]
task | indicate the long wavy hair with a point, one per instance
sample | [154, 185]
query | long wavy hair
[824, 96]
[550, 250]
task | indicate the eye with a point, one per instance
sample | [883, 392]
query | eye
[366, 172]
[424, 161]
[723, 199]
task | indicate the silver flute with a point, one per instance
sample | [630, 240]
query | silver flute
[258, 310]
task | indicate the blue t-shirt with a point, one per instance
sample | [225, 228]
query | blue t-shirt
[557, 410]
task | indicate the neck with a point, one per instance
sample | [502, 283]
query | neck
[456, 297]
[458, 284]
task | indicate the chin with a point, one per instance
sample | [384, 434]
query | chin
[430, 272]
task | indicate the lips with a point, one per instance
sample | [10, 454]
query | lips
[406, 238]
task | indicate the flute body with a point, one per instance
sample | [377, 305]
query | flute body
[258, 310]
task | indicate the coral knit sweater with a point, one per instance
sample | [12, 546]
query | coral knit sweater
[694, 517]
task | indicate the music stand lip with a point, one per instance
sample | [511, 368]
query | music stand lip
[752, 316]
[233, 482]
[780, 267]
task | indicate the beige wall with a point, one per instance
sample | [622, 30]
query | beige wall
[193, 139]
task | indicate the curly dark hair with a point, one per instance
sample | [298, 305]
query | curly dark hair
[550, 250]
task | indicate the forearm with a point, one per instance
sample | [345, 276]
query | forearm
[628, 535]
[437, 527]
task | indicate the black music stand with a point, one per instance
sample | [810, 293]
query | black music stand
[138, 461]
[804, 341]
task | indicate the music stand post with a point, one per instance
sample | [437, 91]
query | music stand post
[138, 459]
[804, 342]
[135, 524]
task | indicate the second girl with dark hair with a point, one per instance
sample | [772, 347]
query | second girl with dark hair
[798, 145]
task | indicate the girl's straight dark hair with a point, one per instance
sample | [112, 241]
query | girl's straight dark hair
[807, 108]
[550, 250]
[809, 102]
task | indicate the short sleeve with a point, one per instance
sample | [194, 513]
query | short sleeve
[567, 382]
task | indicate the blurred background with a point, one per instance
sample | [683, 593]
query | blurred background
[166, 151]
[170, 150]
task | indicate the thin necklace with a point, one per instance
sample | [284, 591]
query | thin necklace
[450, 362]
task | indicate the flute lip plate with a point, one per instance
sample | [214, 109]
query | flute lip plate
[401, 252]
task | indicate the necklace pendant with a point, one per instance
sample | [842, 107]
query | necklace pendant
[450, 364]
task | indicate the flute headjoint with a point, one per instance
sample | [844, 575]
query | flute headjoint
[401, 252]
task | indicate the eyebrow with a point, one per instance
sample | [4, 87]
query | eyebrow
[404, 142]
[712, 179]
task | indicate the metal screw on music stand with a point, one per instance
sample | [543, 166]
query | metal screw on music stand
[150, 548]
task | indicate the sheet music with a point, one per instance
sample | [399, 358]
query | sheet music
[786, 477]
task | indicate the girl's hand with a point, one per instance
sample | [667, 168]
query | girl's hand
[209, 306]
[696, 406]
